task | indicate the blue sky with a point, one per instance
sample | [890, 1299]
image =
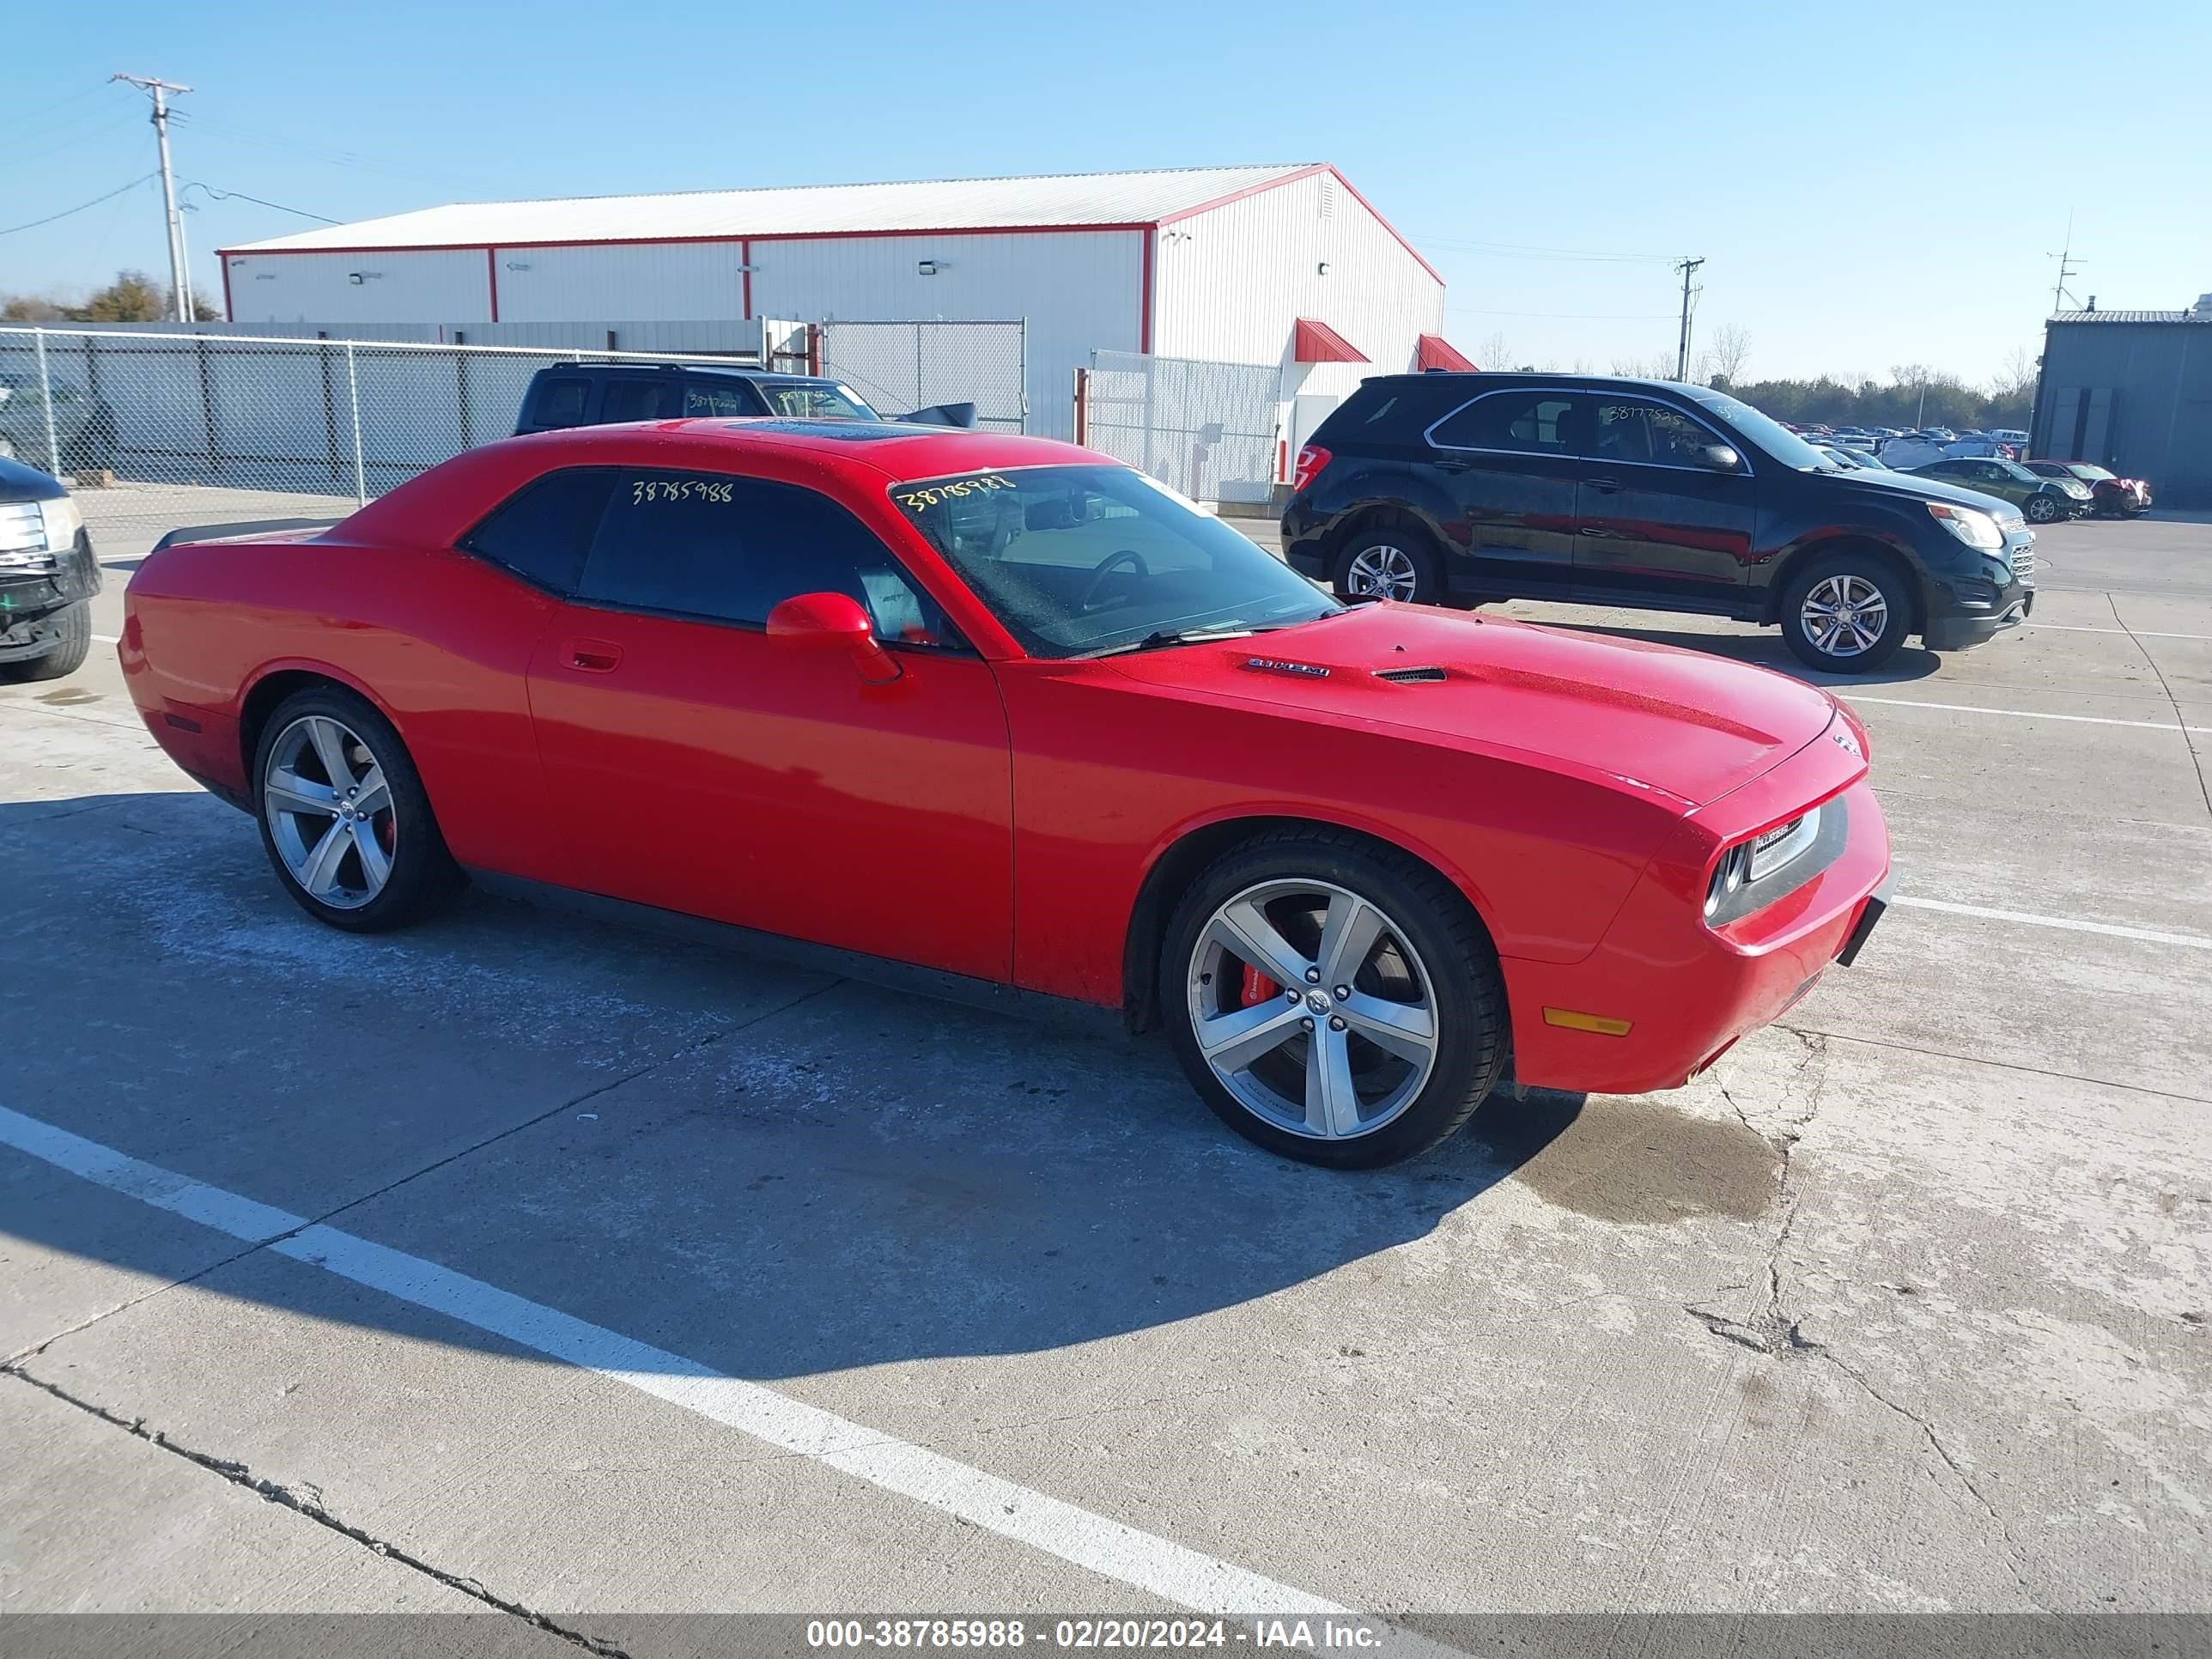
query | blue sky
[1870, 185]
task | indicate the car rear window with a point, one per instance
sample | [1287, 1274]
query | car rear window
[562, 403]
[541, 531]
[1392, 411]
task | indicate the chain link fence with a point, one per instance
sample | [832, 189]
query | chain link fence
[1212, 430]
[899, 367]
[161, 430]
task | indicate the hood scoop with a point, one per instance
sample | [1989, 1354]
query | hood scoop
[1426, 676]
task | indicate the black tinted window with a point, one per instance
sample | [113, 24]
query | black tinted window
[562, 403]
[1629, 429]
[732, 549]
[729, 398]
[542, 531]
[641, 400]
[1535, 422]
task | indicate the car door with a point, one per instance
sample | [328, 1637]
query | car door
[1508, 461]
[698, 764]
[1996, 478]
[1656, 522]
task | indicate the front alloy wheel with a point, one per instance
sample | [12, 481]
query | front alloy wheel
[1844, 615]
[1334, 999]
[2041, 509]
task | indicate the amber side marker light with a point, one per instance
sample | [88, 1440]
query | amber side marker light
[1581, 1022]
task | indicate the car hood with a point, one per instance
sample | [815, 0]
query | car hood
[1912, 487]
[1651, 717]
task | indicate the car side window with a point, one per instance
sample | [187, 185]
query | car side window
[1525, 422]
[640, 400]
[542, 531]
[1629, 429]
[730, 550]
[700, 399]
[562, 403]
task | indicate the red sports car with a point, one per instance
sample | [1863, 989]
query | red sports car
[1010, 714]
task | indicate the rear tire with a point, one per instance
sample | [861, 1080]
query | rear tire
[1306, 1081]
[344, 817]
[1846, 613]
[1391, 564]
[72, 644]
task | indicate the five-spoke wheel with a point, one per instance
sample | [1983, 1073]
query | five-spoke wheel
[1338, 1002]
[344, 816]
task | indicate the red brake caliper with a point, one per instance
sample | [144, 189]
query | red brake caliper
[1258, 987]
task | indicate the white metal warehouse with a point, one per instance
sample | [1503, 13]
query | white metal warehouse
[1284, 266]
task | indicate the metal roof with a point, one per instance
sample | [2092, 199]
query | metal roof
[1073, 200]
[2131, 316]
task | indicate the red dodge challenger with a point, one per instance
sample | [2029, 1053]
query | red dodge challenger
[1011, 718]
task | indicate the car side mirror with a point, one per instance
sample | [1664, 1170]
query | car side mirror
[1720, 458]
[834, 622]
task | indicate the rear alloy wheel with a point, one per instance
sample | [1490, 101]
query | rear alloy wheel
[344, 817]
[2041, 509]
[1847, 614]
[1389, 564]
[1335, 1003]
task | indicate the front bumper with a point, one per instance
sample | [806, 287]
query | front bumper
[1967, 606]
[1689, 992]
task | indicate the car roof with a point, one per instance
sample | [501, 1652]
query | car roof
[710, 371]
[895, 449]
[1486, 380]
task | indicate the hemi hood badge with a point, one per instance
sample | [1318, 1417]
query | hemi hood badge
[1277, 665]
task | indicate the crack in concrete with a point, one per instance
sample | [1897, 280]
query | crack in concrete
[2196, 759]
[307, 1500]
[1771, 1330]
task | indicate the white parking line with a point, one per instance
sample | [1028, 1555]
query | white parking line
[2125, 633]
[2066, 923]
[2027, 713]
[106, 639]
[1089, 1540]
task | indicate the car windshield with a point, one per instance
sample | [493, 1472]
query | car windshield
[2015, 471]
[1079, 560]
[2089, 474]
[811, 401]
[1769, 434]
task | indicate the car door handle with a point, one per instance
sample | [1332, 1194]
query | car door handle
[1604, 486]
[1451, 463]
[592, 656]
[1600, 531]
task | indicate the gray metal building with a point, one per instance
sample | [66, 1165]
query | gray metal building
[2132, 391]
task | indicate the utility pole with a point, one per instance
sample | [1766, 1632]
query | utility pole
[1688, 268]
[180, 281]
[2058, 293]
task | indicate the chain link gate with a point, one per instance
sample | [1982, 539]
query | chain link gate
[1212, 430]
[899, 367]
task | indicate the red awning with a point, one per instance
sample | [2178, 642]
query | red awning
[1434, 351]
[1317, 343]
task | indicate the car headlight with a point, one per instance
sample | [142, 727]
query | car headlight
[1765, 854]
[63, 519]
[1973, 528]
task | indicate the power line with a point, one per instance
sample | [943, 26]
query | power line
[1594, 316]
[1540, 251]
[239, 195]
[81, 206]
[33, 117]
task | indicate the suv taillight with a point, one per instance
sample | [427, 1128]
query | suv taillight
[1311, 459]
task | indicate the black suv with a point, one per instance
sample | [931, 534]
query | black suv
[1458, 488]
[47, 573]
[601, 394]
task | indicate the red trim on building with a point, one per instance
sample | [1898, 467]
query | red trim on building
[1144, 300]
[745, 258]
[491, 271]
[1434, 351]
[1317, 343]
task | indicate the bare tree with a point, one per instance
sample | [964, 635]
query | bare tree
[1657, 366]
[1493, 352]
[2016, 380]
[1725, 355]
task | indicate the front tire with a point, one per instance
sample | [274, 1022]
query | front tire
[344, 817]
[2041, 509]
[1846, 613]
[1334, 1002]
[72, 644]
[1390, 564]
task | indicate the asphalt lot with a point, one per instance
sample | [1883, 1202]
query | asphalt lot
[649, 1278]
